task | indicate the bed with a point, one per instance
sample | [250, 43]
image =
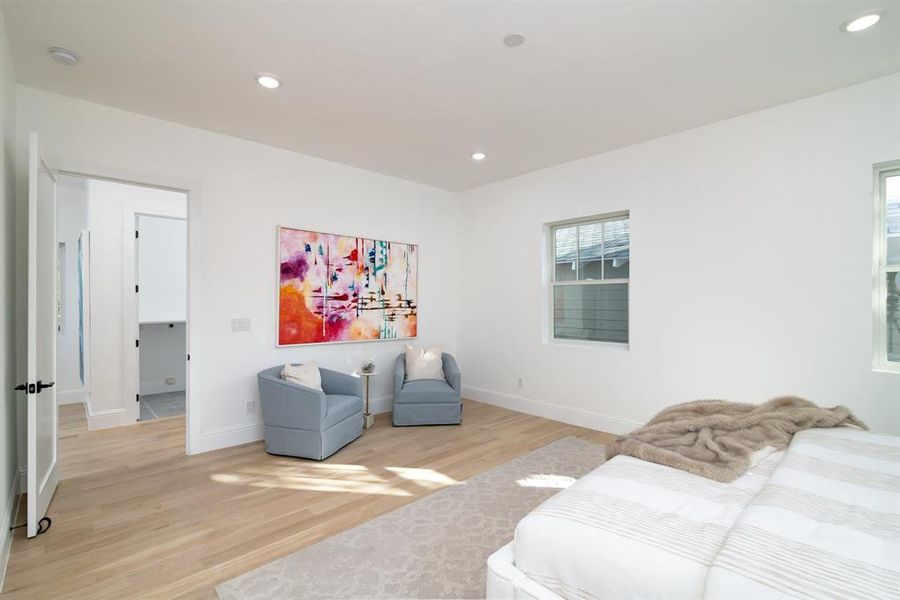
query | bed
[634, 529]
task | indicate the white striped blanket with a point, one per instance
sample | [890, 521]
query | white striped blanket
[825, 525]
[821, 520]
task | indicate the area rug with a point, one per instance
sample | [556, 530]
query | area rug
[435, 547]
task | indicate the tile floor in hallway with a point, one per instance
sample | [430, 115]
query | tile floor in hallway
[156, 406]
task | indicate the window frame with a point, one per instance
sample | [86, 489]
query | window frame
[880, 268]
[551, 283]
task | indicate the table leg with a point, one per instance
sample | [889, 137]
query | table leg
[368, 418]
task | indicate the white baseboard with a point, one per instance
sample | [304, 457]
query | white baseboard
[548, 410]
[161, 387]
[229, 436]
[71, 397]
[381, 405]
[251, 432]
[7, 520]
[104, 419]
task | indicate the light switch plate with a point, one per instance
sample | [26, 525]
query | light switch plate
[240, 324]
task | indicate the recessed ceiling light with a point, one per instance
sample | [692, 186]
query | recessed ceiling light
[66, 57]
[862, 22]
[267, 80]
[513, 39]
[479, 156]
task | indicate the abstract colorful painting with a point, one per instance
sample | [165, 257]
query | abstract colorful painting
[337, 288]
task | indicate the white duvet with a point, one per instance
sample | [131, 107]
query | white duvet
[825, 525]
[633, 529]
[821, 520]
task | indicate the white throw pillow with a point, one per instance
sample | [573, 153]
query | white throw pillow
[306, 374]
[424, 363]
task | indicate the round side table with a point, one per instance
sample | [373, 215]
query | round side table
[368, 417]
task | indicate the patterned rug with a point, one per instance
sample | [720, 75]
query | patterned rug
[435, 547]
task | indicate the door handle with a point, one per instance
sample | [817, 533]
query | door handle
[41, 385]
[22, 387]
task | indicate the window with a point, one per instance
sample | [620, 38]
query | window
[589, 279]
[60, 284]
[887, 266]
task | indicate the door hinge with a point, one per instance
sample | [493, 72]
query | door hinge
[137, 397]
[137, 343]
[189, 357]
[135, 233]
[136, 287]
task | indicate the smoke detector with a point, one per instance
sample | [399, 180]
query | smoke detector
[513, 40]
[61, 55]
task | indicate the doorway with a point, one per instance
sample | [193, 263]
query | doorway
[161, 283]
[121, 302]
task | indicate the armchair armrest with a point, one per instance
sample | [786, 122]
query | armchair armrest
[284, 403]
[399, 373]
[451, 372]
[335, 382]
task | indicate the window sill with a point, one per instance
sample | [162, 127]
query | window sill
[889, 368]
[588, 344]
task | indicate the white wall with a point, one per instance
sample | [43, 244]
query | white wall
[751, 271]
[162, 357]
[112, 212]
[9, 486]
[162, 269]
[240, 192]
[71, 219]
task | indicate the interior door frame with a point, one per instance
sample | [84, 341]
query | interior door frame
[192, 191]
[132, 316]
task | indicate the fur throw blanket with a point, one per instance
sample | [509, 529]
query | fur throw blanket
[720, 440]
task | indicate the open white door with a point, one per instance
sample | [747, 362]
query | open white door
[40, 393]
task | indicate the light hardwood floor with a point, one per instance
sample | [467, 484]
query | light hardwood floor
[134, 517]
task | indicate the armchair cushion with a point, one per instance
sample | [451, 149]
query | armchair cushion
[306, 374]
[339, 407]
[424, 363]
[427, 391]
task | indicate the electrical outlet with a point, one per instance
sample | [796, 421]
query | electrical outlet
[521, 382]
[170, 381]
[240, 324]
[251, 407]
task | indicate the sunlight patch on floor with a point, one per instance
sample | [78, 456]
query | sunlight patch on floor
[316, 477]
[428, 478]
[319, 466]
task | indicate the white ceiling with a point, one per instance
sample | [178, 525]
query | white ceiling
[411, 89]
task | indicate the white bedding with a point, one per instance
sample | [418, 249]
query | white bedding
[633, 529]
[825, 525]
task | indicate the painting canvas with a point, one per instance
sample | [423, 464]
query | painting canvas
[338, 288]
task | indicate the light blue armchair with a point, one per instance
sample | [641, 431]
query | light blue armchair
[427, 401]
[301, 421]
